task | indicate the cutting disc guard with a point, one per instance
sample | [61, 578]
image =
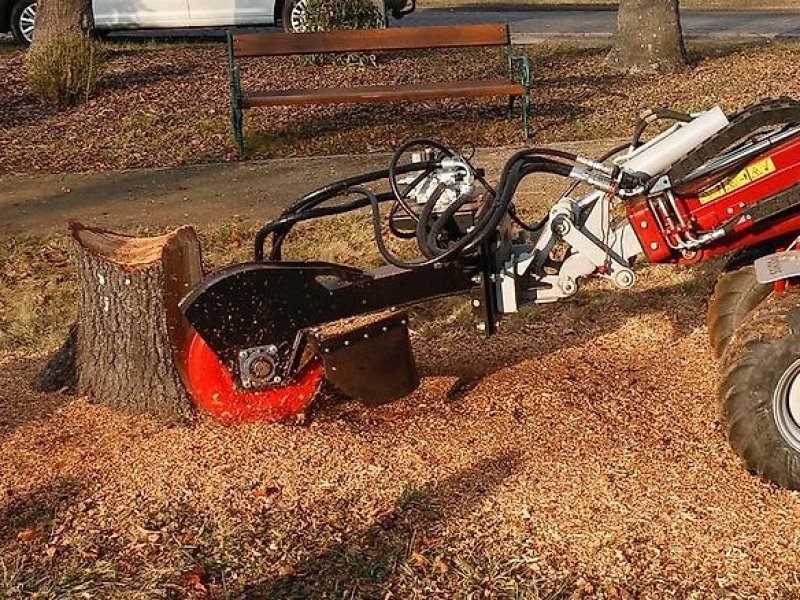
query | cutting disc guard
[215, 392]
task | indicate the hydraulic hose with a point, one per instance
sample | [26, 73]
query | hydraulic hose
[430, 225]
[487, 222]
[303, 209]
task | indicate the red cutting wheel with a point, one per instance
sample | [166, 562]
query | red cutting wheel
[215, 392]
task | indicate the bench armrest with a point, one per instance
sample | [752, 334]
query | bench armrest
[522, 66]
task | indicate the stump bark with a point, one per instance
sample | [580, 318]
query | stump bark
[130, 339]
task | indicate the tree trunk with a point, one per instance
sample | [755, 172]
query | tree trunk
[130, 340]
[649, 38]
[56, 18]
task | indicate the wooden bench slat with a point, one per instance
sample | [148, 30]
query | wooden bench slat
[354, 95]
[370, 40]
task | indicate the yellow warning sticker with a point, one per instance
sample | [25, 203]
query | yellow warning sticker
[747, 175]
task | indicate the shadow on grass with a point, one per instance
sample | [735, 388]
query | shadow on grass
[17, 410]
[556, 100]
[370, 562]
[147, 75]
[592, 314]
[29, 516]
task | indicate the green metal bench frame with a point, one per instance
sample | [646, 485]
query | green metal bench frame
[519, 66]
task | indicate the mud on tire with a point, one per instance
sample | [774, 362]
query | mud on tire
[736, 293]
[760, 390]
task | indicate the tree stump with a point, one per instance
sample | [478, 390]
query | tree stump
[130, 337]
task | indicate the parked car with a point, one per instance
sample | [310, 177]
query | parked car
[18, 16]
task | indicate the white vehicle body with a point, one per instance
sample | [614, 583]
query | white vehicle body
[134, 14]
[18, 16]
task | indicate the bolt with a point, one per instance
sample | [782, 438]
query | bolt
[272, 349]
[276, 379]
[347, 342]
[624, 278]
[366, 335]
[561, 226]
[481, 326]
[476, 279]
[476, 303]
[643, 224]
[653, 245]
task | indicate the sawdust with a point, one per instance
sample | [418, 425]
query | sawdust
[576, 453]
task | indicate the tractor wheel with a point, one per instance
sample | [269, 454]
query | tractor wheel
[760, 390]
[735, 295]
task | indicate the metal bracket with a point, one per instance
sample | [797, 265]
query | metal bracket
[774, 267]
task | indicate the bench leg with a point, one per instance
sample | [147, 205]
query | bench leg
[526, 116]
[238, 128]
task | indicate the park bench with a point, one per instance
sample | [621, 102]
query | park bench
[247, 45]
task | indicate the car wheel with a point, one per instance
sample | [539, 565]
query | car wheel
[23, 19]
[294, 16]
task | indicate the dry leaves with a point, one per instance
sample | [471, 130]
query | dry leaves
[167, 104]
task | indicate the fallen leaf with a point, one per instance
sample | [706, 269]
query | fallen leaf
[28, 535]
[196, 578]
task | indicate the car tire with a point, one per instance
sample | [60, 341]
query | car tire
[291, 16]
[760, 390]
[23, 13]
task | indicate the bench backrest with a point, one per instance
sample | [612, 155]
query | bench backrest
[368, 40]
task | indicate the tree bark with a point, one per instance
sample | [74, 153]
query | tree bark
[649, 37]
[56, 18]
[130, 338]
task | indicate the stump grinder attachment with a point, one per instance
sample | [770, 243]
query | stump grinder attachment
[269, 331]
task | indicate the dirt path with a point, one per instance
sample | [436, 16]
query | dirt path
[200, 195]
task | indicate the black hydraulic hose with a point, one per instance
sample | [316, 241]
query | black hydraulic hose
[487, 222]
[614, 151]
[431, 240]
[321, 195]
[282, 227]
[656, 114]
[503, 201]
[403, 235]
[520, 165]
[394, 170]
[424, 220]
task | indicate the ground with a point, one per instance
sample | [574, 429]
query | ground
[576, 454]
[163, 105]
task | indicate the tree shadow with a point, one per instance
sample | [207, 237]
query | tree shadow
[31, 514]
[151, 74]
[17, 410]
[368, 561]
[591, 318]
